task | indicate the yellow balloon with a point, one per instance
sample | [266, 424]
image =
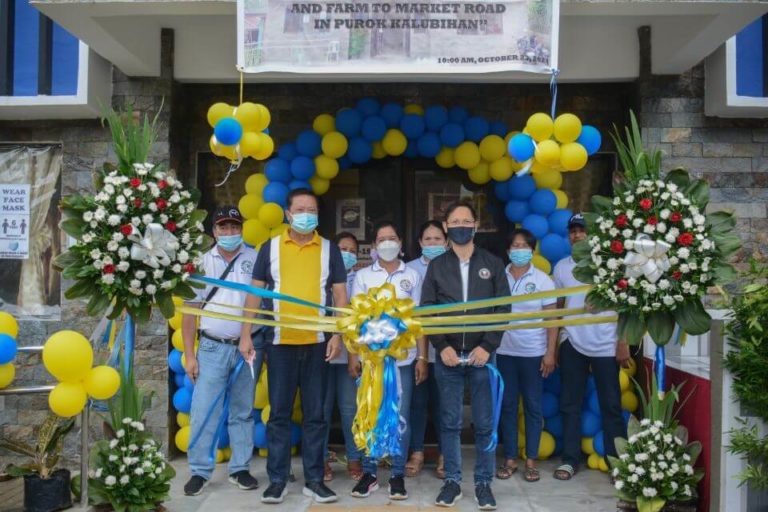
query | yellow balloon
[177, 341]
[624, 382]
[467, 155]
[567, 128]
[175, 321]
[67, 399]
[102, 382]
[264, 118]
[378, 151]
[548, 179]
[182, 419]
[266, 147]
[277, 231]
[215, 146]
[254, 232]
[541, 263]
[255, 184]
[324, 123]
[540, 126]
[413, 108]
[629, 401]
[446, 158]
[562, 198]
[8, 325]
[265, 414]
[593, 461]
[184, 359]
[502, 169]
[68, 356]
[548, 152]
[479, 174]
[319, 185]
[250, 144]
[632, 368]
[271, 215]
[220, 456]
[177, 301]
[7, 373]
[334, 144]
[587, 446]
[537, 167]
[573, 156]
[602, 465]
[182, 439]
[263, 452]
[546, 445]
[394, 142]
[492, 148]
[231, 153]
[326, 167]
[249, 205]
[227, 453]
[217, 112]
[249, 116]
[261, 396]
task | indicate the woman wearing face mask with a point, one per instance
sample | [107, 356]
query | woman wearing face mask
[525, 358]
[389, 268]
[341, 385]
[433, 243]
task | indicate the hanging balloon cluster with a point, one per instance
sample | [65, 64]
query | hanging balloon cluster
[9, 330]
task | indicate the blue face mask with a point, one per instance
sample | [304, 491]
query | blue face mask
[304, 223]
[350, 259]
[229, 242]
[520, 257]
[432, 251]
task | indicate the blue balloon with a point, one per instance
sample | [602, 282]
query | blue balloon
[626, 415]
[452, 134]
[435, 117]
[374, 128]
[302, 168]
[278, 169]
[515, 211]
[228, 131]
[590, 423]
[348, 122]
[344, 163]
[554, 425]
[476, 128]
[499, 128]
[550, 405]
[428, 145]
[521, 187]
[260, 435]
[276, 192]
[412, 149]
[287, 151]
[392, 112]
[552, 247]
[188, 383]
[501, 189]
[8, 348]
[457, 115]
[182, 400]
[223, 438]
[521, 147]
[368, 106]
[412, 125]
[178, 379]
[552, 383]
[558, 221]
[265, 130]
[598, 442]
[536, 224]
[543, 201]
[308, 143]
[174, 361]
[360, 150]
[299, 184]
[295, 434]
[590, 138]
[593, 402]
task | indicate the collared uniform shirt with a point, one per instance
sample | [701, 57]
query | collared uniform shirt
[407, 283]
[420, 265]
[596, 340]
[527, 342]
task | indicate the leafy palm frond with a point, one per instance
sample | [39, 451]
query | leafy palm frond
[635, 160]
[44, 453]
[132, 138]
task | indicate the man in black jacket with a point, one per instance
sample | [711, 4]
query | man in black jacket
[465, 273]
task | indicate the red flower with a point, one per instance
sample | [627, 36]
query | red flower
[617, 247]
[622, 284]
[189, 267]
[135, 182]
[170, 226]
[677, 275]
[652, 220]
[109, 268]
[161, 203]
[676, 217]
[137, 203]
[621, 221]
[162, 184]
[646, 204]
[126, 229]
[685, 239]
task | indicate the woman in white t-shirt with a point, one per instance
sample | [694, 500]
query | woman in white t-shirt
[525, 358]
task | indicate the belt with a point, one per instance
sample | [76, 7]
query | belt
[225, 341]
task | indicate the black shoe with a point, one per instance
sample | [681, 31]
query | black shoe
[484, 497]
[243, 480]
[397, 488]
[367, 484]
[319, 492]
[275, 493]
[195, 485]
[449, 494]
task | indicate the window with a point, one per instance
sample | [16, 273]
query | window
[294, 22]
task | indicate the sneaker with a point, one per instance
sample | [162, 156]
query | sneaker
[195, 485]
[319, 492]
[367, 484]
[449, 494]
[275, 493]
[397, 488]
[484, 497]
[243, 480]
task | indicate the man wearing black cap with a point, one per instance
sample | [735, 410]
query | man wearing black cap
[217, 358]
[582, 347]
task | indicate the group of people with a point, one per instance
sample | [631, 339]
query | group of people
[451, 269]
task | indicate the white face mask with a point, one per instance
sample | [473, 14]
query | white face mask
[388, 250]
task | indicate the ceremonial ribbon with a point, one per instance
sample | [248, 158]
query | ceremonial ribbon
[648, 258]
[500, 301]
[497, 397]
[130, 341]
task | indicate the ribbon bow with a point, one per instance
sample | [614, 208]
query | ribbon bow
[649, 258]
[157, 247]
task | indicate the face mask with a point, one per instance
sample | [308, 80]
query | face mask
[350, 259]
[461, 235]
[229, 242]
[432, 251]
[388, 250]
[520, 257]
[304, 223]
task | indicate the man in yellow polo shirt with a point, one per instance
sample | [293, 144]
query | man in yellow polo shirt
[302, 264]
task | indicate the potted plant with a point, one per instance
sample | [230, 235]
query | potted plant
[45, 487]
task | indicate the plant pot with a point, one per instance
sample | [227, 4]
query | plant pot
[670, 506]
[47, 495]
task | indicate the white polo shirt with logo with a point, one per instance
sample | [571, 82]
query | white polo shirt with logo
[407, 283]
[420, 265]
[527, 342]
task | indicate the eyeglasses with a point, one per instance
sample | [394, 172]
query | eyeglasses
[461, 223]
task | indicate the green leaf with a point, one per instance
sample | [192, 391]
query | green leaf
[721, 221]
[165, 303]
[584, 274]
[73, 227]
[581, 251]
[698, 192]
[590, 219]
[694, 450]
[621, 446]
[725, 273]
[19, 471]
[602, 203]
[692, 317]
[631, 328]
[98, 304]
[726, 243]
[82, 288]
[661, 324]
[679, 177]
[650, 504]
[65, 259]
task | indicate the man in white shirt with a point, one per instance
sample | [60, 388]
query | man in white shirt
[582, 347]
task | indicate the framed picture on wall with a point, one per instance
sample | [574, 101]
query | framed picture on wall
[350, 216]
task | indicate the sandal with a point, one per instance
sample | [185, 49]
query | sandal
[327, 472]
[332, 457]
[415, 464]
[531, 474]
[355, 470]
[440, 468]
[564, 472]
[506, 470]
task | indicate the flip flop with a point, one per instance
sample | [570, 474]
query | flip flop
[531, 475]
[564, 472]
[415, 464]
[505, 471]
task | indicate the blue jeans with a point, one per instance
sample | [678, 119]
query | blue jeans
[425, 398]
[574, 371]
[398, 461]
[522, 376]
[450, 380]
[216, 362]
[289, 368]
[342, 388]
